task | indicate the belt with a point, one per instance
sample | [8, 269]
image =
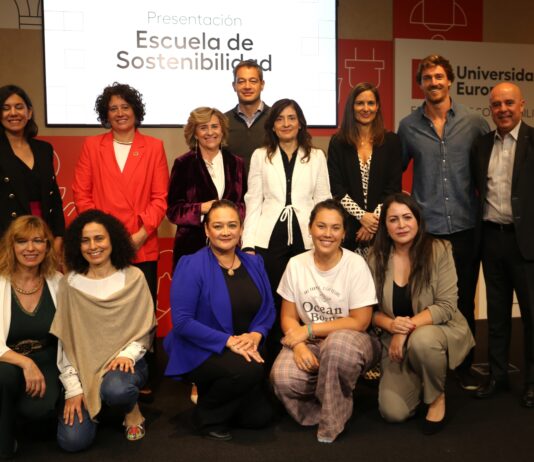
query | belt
[505, 228]
[27, 347]
[287, 215]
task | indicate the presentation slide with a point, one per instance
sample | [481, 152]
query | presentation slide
[180, 55]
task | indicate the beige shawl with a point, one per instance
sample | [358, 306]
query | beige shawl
[94, 331]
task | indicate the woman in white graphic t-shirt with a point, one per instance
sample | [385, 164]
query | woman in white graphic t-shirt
[327, 296]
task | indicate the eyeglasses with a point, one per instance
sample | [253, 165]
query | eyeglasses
[37, 242]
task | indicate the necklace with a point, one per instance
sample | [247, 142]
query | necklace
[229, 269]
[126, 143]
[28, 292]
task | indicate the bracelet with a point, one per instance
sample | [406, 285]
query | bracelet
[310, 332]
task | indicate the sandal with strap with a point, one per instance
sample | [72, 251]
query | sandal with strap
[134, 432]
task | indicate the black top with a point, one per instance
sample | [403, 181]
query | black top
[289, 166]
[35, 325]
[30, 177]
[17, 191]
[402, 301]
[245, 298]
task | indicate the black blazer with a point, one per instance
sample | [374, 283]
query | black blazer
[522, 183]
[14, 201]
[385, 176]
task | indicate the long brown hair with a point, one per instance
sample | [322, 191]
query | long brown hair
[421, 255]
[349, 130]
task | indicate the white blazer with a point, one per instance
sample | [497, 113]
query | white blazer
[266, 195]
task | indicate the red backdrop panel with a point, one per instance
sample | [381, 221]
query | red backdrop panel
[364, 61]
[443, 19]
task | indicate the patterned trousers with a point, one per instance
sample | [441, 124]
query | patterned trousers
[324, 397]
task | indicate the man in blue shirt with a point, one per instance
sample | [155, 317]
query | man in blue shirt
[438, 137]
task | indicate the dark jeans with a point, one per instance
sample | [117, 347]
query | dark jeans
[119, 390]
[466, 254]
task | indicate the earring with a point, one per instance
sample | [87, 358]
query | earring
[196, 145]
[207, 241]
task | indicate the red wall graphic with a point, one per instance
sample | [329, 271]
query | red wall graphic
[441, 20]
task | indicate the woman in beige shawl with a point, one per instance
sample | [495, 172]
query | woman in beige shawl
[423, 330]
[104, 321]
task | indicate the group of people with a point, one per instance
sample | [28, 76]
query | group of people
[295, 272]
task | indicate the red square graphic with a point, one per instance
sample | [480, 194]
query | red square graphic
[441, 20]
[364, 61]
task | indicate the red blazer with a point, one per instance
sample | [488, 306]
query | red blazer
[137, 196]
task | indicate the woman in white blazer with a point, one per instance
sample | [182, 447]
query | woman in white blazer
[287, 177]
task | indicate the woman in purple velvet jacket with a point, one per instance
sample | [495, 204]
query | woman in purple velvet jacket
[198, 178]
[222, 310]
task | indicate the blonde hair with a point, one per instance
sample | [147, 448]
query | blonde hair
[202, 115]
[23, 227]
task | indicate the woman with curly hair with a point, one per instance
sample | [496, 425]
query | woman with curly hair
[106, 300]
[29, 386]
[125, 173]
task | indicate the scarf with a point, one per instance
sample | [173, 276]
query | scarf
[94, 331]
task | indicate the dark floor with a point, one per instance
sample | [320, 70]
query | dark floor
[495, 430]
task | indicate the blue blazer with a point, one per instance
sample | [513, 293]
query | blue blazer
[201, 309]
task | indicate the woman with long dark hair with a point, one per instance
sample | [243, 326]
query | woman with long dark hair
[28, 185]
[423, 330]
[287, 177]
[364, 163]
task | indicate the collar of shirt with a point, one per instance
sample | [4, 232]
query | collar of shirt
[514, 133]
[250, 120]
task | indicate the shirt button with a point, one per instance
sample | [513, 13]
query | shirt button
[11, 196]
[6, 179]
[51, 192]
[14, 214]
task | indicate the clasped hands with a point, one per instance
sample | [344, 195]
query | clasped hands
[401, 327]
[369, 227]
[246, 345]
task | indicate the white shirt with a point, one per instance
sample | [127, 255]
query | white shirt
[216, 171]
[498, 204]
[322, 296]
[121, 153]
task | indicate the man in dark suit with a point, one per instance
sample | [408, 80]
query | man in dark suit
[503, 169]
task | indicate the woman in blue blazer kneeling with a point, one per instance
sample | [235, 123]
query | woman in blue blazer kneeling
[222, 310]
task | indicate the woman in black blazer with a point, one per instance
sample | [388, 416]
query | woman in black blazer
[27, 178]
[364, 165]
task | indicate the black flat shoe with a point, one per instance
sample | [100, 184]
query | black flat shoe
[491, 388]
[431, 428]
[527, 400]
[218, 435]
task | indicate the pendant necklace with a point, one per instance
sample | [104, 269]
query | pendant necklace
[229, 270]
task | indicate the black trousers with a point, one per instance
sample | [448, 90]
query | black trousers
[505, 270]
[276, 257]
[466, 254]
[14, 403]
[150, 270]
[230, 393]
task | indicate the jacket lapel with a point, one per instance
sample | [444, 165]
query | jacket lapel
[523, 141]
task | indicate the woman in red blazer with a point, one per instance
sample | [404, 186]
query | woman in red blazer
[125, 173]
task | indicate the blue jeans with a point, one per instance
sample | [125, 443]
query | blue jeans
[119, 390]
